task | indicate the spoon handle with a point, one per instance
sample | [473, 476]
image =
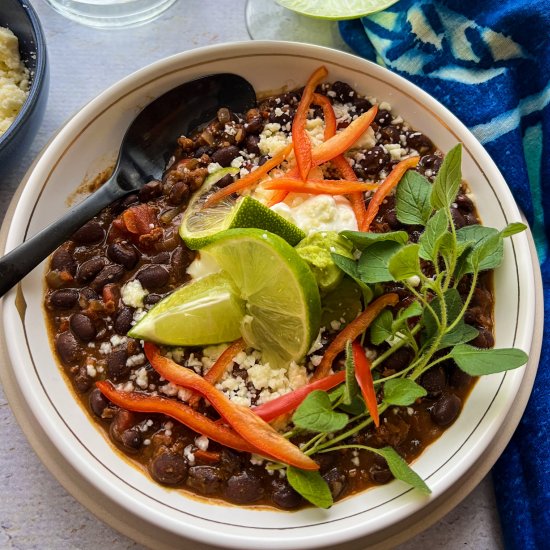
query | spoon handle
[24, 258]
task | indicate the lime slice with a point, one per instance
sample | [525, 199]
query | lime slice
[282, 304]
[203, 312]
[199, 224]
[336, 9]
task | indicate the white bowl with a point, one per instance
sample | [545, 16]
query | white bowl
[84, 460]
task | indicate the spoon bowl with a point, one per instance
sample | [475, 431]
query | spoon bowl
[143, 155]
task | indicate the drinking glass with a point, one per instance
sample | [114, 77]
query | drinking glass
[106, 14]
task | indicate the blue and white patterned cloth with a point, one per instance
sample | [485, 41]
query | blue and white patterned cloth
[488, 61]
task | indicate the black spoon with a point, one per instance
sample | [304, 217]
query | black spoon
[143, 155]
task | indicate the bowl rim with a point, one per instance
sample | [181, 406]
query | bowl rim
[116, 88]
[37, 79]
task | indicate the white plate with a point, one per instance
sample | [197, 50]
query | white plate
[88, 143]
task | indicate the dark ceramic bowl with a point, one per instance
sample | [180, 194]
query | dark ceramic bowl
[21, 19]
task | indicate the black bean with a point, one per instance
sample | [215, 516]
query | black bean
[225, 181]
[88, 294]
[98, 402]
[446, 409]
[152, 299]
[383, 117]
[225, 155]
[90, 268]
[206, 480]
[90, 233]
[153, 276]
[362, 105]
[62, 260]
[431, 163]
[109, 274]
[458, 378]
[67, 347]
[82, 380]
[251, 144]
[168, 468]
[82, 327]
[420, 142]
[344, 92]
[484, 339]
[162, 258]
[65, 298]
[389, 134]
[151, 190]
[116, 364]
[380, 474]
[458, 218]
[123, 321]
[122, 421]
[464, 203]
[284, 496]
[178, 193]
[433, 381]
[398, 360]
[282, 116]
[255, 125]
[375, 160]
[131, 439]
[180, 260]
[128, 201]
[244, 487]
[336, 481]
[124, 254]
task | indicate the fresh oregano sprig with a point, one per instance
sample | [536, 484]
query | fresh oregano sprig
[432, 326]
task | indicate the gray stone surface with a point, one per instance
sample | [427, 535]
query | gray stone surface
[35, 511]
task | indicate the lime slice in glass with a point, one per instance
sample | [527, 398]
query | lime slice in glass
[199, 224]
[202, 312]
[281, 299]
[336, 9]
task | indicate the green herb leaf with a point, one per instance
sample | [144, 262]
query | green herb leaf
[448, 179]
[373, 263]
[460, 334]
[315, 414]
[402, 392]
[477, 362]
[436, 229]
[351, 388]
[453, 307]
[357, 406]
[311, 485]
[401, 470]
[413, 199]
[512, 229]
[364, 240]
[349, 267]
[405, 263]
[413, 310]
[486, 247]
[381, 328]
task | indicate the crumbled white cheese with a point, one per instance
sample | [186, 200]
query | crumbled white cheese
[213, 167]
[132, 294]
[202, 442]
[141, 375]
[14, 79]
[188, 454]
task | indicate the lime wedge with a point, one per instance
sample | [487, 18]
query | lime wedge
[281, 298]
[336, 9]
[203, 312]
[199, 223]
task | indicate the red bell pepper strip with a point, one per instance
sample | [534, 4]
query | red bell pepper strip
[140, 402]
[290, 401]
[344, 139]
[250, 179]
[327, 187]
[328, 114]
[220, 366]
[249, 426]
[363, 375]
[385, 188]
[352, 331]
[300, 138]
